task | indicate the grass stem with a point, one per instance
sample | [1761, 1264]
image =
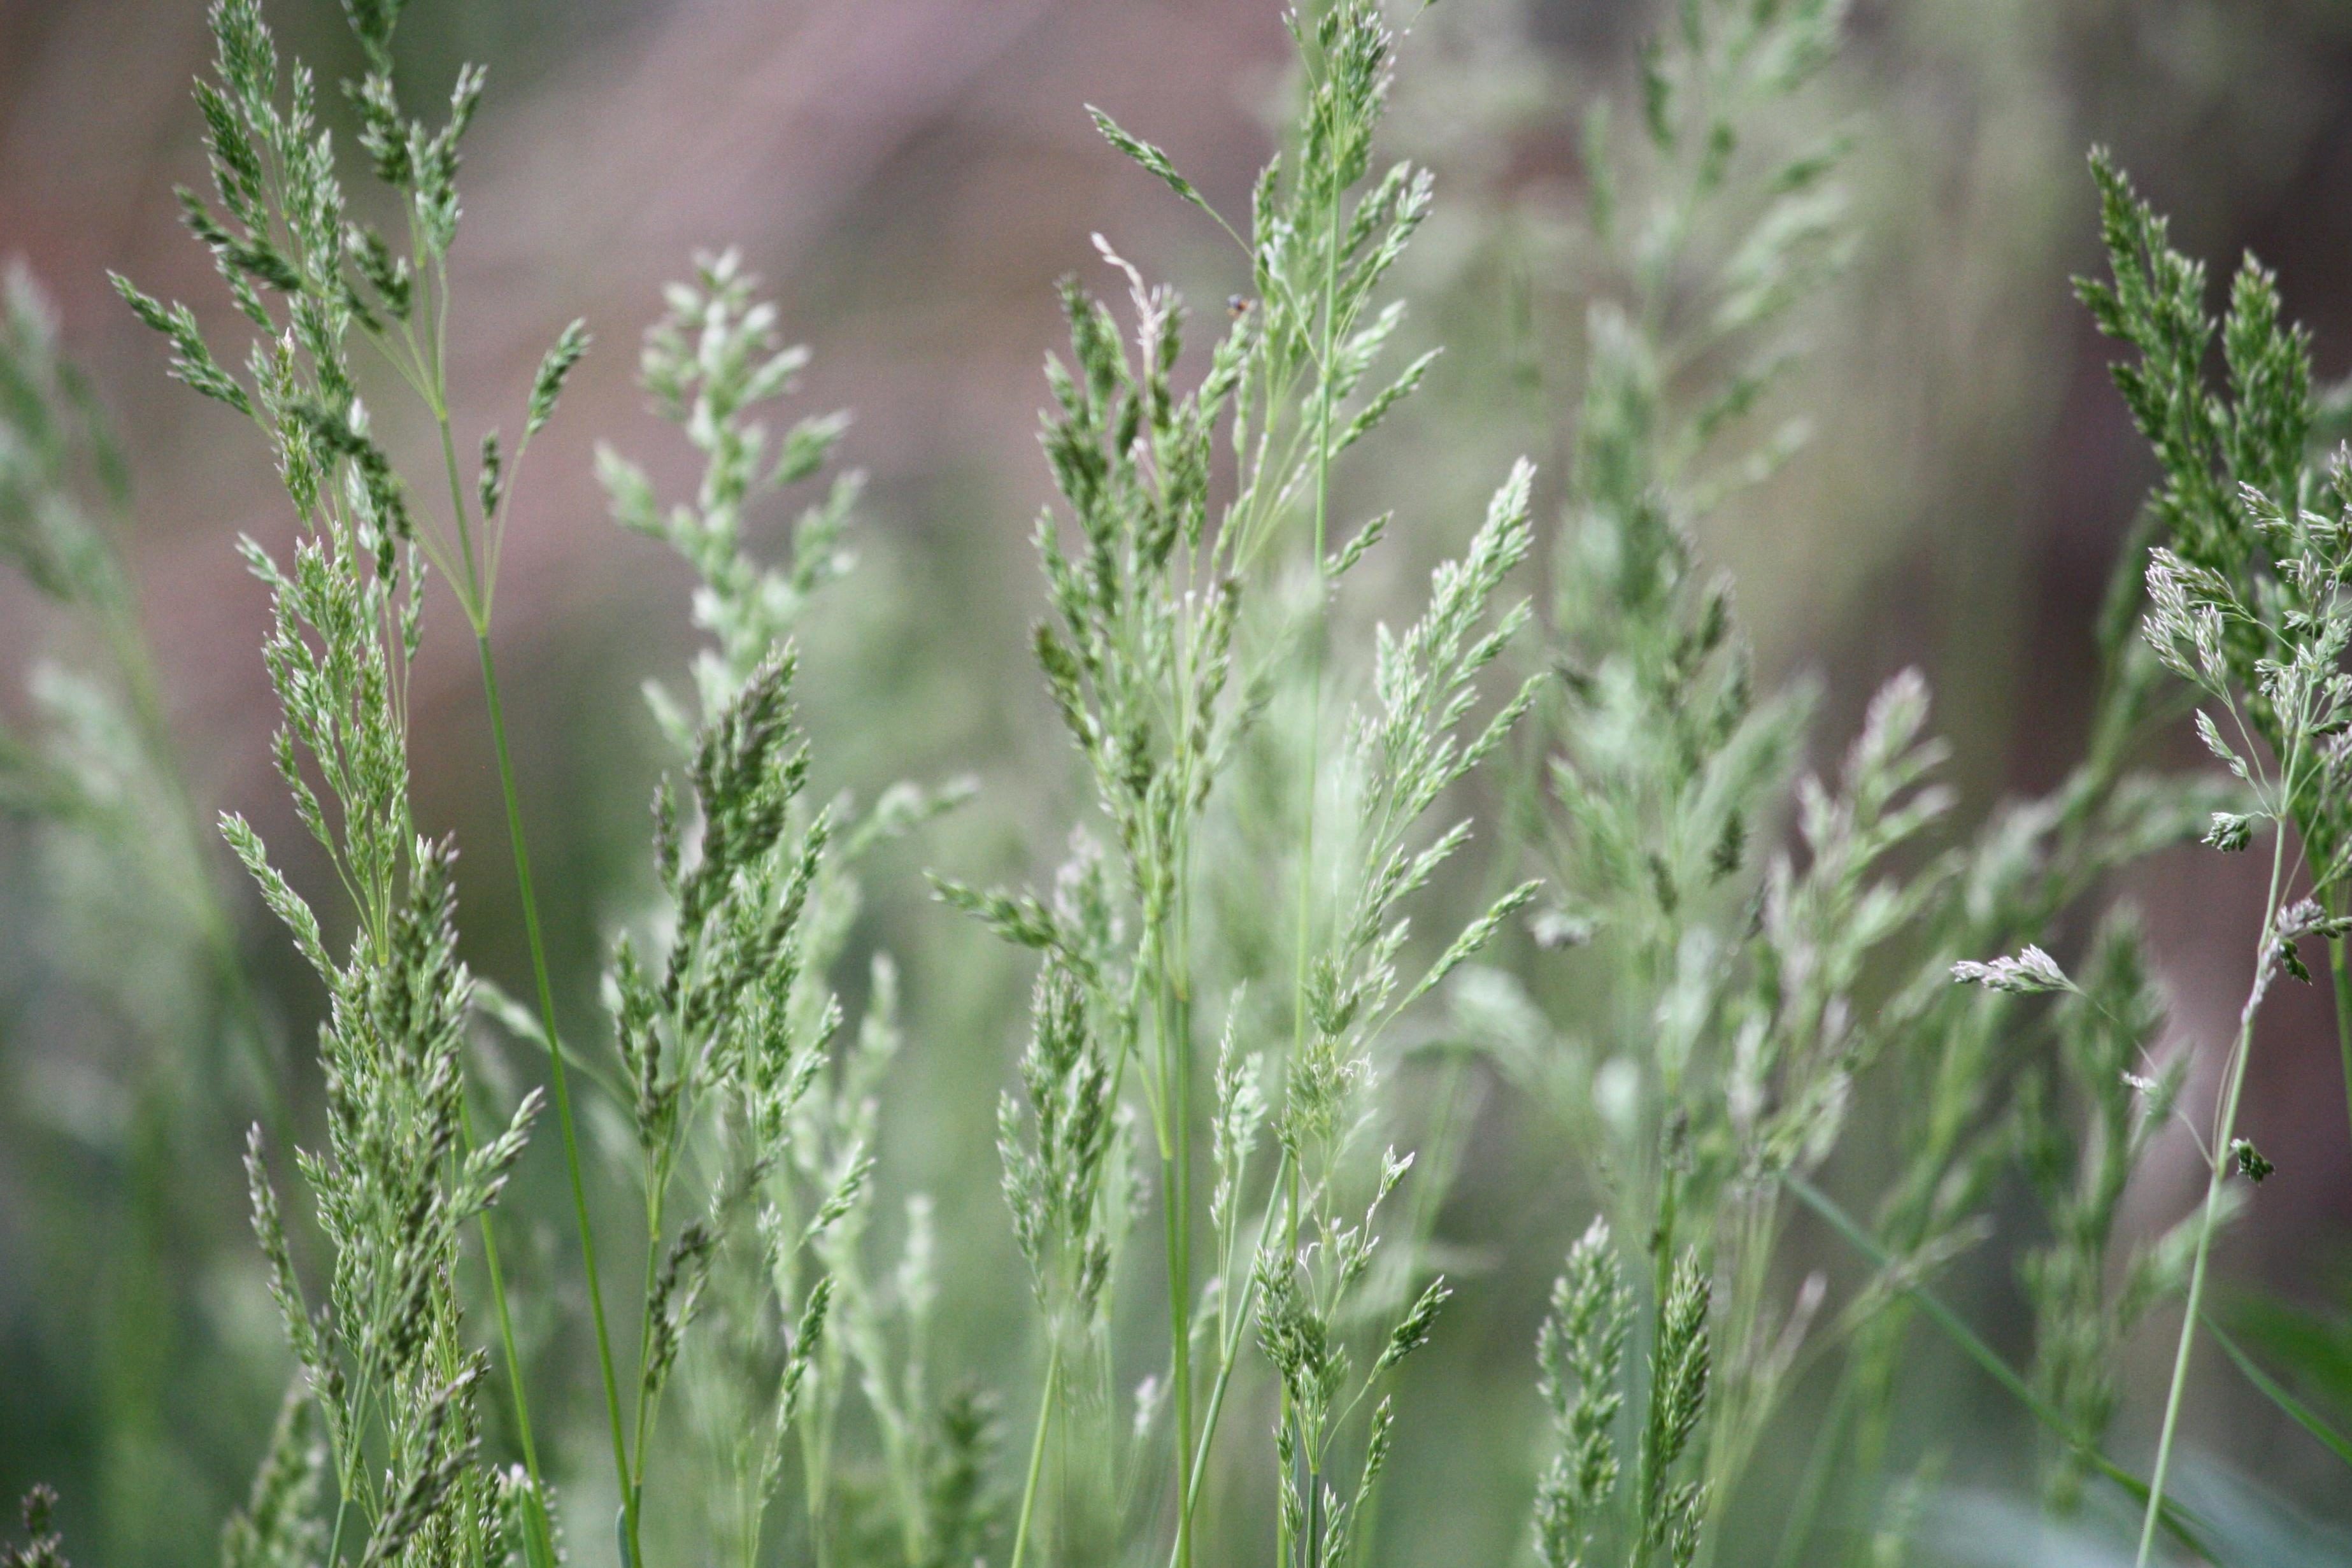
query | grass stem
[1229, 1352]
[562, 1091]
[1325, 351]
[2339, 966]
[1037, 1449]
[2218, 1155]
[2184, 1527]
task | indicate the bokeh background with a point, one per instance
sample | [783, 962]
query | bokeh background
[910, 176]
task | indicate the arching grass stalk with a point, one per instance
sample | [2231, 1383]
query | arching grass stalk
[562, 1097]
[2295, 692]
[473, 590]
[1176, 1072]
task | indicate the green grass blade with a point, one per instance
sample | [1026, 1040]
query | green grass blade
[2303, 1414]
[2183, 1525]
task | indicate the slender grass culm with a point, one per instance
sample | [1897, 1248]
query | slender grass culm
[1800, 1052]
[2246, 603]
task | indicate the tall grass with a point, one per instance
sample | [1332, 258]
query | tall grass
[1694, 957]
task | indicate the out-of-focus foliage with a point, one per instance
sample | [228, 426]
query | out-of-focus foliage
[1212, 1216]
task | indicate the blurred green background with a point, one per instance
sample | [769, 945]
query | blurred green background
[910, 176]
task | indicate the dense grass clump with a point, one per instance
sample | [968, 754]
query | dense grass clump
[1328, 879]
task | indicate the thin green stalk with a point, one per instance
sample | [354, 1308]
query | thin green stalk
[2339, 965]
[2184, 1526]
[1441, 1141]
[562, 1092]
[1173, 1017]
[2218, 1155]
[1290, 1203]
[1230, 1352]
[475, 600]
[1799, 1527]
[1326, 350]
[1061, 1507]
[2303, 1416]
[1311, 1549]
[817, 1456]
[544, 1549]
[1037, 1449]
[657, 1176]
[645, 1357]
[1178, 1203]
[335, 1536]
[349, 1469]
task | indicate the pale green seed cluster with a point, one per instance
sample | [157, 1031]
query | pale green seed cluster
[710, 364]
